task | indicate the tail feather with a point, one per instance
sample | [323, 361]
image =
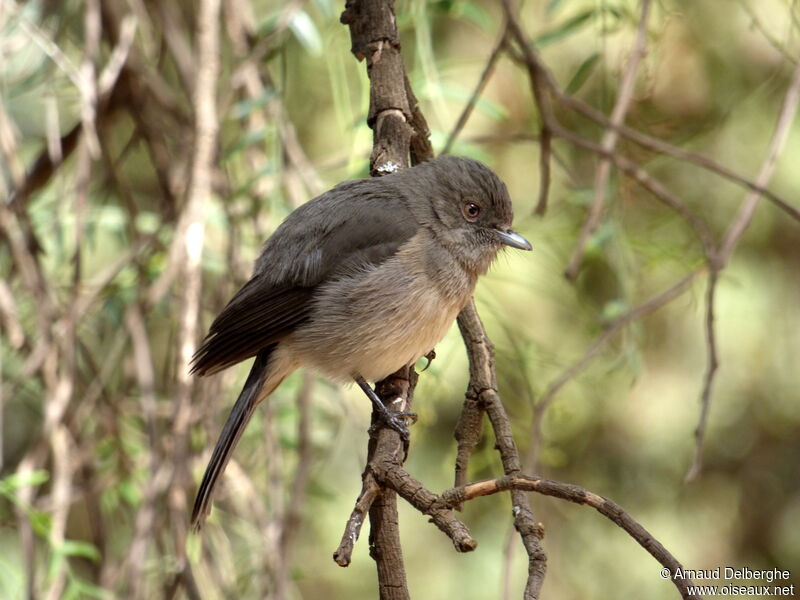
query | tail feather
[238, 419]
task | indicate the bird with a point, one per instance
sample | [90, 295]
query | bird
[355, 284]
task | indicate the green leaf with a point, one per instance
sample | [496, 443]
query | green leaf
[41, 522]
[147, 221]
[251, 137]
[16, 481]
[130, 492]
[494, 111]
[80, 548]
[326, 8]
[306, 32]
[601, 236]
[580, 196]
[245, 108]
[80, 588]
[268, 24]
[567, 27]
[582, 74]
[194, 548]
[474, 12]
[613, 309]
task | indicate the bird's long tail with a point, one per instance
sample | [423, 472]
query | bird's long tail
[261, 382]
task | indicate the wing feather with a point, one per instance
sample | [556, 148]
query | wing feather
[355, 225]
[256, 317]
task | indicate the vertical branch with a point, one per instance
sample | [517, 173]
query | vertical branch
[373, 34]
[720, 258]
[385, 548]
[483, 390]
[385, 446]
[192, 229]
[399, 129]
[541, 95]
[62, 498]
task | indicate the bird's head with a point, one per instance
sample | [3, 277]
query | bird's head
[467, 207]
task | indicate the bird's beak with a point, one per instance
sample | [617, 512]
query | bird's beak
[515, 240]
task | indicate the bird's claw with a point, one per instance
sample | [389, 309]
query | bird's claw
[394, 421]
[429, 356]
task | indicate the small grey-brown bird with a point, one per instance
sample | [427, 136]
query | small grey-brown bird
[356, 284]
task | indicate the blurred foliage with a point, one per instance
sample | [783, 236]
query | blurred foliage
[712, 82]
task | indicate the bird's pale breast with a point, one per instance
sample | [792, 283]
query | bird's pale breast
[374, 328]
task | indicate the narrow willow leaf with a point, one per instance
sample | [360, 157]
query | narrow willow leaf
[582, 74]
[306, 32]
[10, 484]
[80, 548]
[247, 107]
[566, 28]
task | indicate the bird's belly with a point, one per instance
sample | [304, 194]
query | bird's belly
[375, 334]
[403, 340]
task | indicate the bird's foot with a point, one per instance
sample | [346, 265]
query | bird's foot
[396, 421]
[386, 417]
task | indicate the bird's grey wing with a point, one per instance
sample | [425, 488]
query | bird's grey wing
[355, 224]
[258, 315]
[340, 232]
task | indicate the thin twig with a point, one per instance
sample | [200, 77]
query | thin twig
[647, 181]
[488, 70]
[483, 390]
[578, 495]
[708, 380]
[534, 64]
[539, 84]
[191, 230]
[609, 142]
[539, 409]
[369, 491]
[776, 144]
[734, 233]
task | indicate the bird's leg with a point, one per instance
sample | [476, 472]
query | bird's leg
[393, 420]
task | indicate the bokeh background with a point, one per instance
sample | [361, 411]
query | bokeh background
[94, 481]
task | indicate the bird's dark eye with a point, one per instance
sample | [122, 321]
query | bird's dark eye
[470, 210]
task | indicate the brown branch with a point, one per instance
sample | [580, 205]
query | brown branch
[399, 130]
[539, 84]
[720, 258]
[545, 152]
[660, 146]
[396, 392]
[369, 491]
[391, 474]
[648, 182]
[708, 380]
[776, 144]
[716, 258]
[373, 35]
[468, 432]
[420, 145]
[188, 245]
[483, 390]
[535, 67]
[578, 495]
